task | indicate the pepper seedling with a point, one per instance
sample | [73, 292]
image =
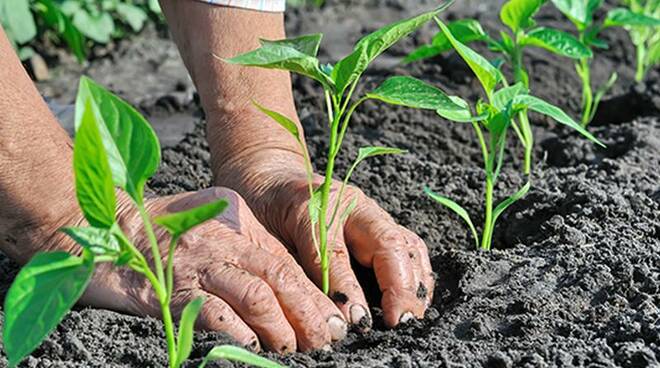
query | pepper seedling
[518, 16]
[114, 148]
[494, 116]
[646, 37]
[581, 14]
[339, 81]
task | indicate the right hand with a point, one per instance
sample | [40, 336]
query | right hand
[253, 288]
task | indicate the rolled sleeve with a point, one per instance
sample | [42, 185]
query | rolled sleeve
[276, 6]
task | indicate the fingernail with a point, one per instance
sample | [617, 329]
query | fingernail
[360, 317]
[254, 346]
[406, 317]
[337, 328]
[326, 348]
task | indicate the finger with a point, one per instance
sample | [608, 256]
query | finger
[344, 287]
[217, 315]
[421, 257]
[284, 278]
[254, 301]
[377, 241]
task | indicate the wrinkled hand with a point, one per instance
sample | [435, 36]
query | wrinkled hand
[253, 287]
[398, 257]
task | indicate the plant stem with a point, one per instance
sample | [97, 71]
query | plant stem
[488, 221]
[325, 198]
[163, 298]
[641, 68]
[525, 128]
[169, 270]
[587, 93]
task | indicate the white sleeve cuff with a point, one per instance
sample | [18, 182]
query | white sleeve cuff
[277, 6]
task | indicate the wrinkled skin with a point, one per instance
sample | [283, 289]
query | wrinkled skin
[253, 288]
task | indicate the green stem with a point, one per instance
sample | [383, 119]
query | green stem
[525, 128]
[587, 93]
[641, 67]
[325, 198]
[169, 270]
[488, 221]
[164, 303]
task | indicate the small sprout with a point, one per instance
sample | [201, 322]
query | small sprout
[114, 148]
[493, 116]
[641, 19]
[339, 81]
[518, 16]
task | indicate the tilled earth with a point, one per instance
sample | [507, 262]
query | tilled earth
[574, 280]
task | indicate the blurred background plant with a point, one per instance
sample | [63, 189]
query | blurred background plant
[299, 3]
[76, 23]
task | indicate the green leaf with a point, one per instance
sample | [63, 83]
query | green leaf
[55, 18]
[542, 107]
[178, 223]
[366, 152]
[509, 201]
[236, 354]
[186, 329]
[464, 115]
[93, 177]
[129, 141]
[42, 293]
[460, 211]
[348, 70]
[558, 42]
[98, 27]
[97, 240]
[133, 15]
[412, 92]
[625, 17]
[488, 75]
[307, 44]
[464, 30]
[296, 55]
[518, 14]
[284, 122]
[18, 21]
[580, 12]
[504, 96]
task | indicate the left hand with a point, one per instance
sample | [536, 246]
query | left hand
[398, 257]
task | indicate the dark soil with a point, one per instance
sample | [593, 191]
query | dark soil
[574, 280]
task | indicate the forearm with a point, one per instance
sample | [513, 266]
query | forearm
[239, 135]
[36, 180]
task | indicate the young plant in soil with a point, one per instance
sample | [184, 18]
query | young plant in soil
[646, 38]
[581, 14]
[114, 147]
[518, 16]
[339, 81]
[493, 116]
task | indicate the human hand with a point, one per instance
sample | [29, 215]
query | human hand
[398, 257]
[253, 289]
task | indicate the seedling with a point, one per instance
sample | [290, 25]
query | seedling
[518, 16]
[646, 38]
[581, 14]
[114, 147]
[339, 81]
[494, 116]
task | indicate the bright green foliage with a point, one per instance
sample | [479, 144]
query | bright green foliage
[187, 329]
[114, 147]
[412, 92]
[42, 293]
[298, 55]
[72, 20]
[491, 122]
[94, 188]
[641, 19]
[230, 352]
[132, 147]
[181, 222]
[518, 16]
